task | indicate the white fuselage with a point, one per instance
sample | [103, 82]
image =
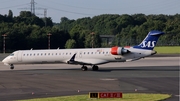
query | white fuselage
[93, 56]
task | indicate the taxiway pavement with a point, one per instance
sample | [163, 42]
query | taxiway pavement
[150, 75]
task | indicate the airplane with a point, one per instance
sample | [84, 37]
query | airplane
[86, 56]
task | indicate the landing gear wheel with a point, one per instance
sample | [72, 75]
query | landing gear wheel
[84, 68]
[12, 66]
[95, 68]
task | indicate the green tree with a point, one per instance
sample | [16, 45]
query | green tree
[92, 40]
[29, 31]
[78, 34]
[71, 43]
[10, 14]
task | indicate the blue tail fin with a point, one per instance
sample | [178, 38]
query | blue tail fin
[150, 41]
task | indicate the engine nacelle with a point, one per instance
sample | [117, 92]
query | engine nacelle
[119, 51]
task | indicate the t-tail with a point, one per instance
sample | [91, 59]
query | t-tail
[150, 41]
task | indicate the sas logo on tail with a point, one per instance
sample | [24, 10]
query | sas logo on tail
[149, 44]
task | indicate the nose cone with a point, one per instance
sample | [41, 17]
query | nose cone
[5, 61]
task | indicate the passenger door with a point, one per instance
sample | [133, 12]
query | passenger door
[19, 56]
[80, 54]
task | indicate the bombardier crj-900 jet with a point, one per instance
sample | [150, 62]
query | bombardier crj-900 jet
[86, 56]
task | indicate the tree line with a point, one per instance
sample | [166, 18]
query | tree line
[28, 31]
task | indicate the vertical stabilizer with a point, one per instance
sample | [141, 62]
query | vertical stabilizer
[150, 41]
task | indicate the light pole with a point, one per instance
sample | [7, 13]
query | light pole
[49, 35]
[4, 43]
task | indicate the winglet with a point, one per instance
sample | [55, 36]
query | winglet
[73, 57]
[72, 60]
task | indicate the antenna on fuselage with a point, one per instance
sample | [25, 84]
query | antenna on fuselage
[31, 49]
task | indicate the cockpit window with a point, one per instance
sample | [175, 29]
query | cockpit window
[11, 54]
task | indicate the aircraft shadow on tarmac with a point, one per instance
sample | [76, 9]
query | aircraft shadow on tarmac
[110, 69]
[142, 68]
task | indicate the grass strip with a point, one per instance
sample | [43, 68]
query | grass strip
[167, 49]
[126, 97]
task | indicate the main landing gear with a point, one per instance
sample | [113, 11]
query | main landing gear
[94, 68]
[84, 68]
[12, 66]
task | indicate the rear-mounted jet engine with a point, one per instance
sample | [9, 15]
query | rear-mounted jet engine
[119, 51]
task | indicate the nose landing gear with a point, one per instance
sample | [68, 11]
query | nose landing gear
[12, 66]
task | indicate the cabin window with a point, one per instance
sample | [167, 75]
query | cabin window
[56, 53]
[91, 52]
[34, 54]
[44, 53]
[84, 52]
[87, 52]
[106, 52]
[99, 52]
[70, 53]
[59, 53]
[27, 54]
[41, 53]
[23, 54]
[66, 53]
[52, 53]
[30, 54]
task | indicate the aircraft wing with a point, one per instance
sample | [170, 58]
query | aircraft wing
[86, 61]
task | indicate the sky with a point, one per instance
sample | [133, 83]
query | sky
[74, 9]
